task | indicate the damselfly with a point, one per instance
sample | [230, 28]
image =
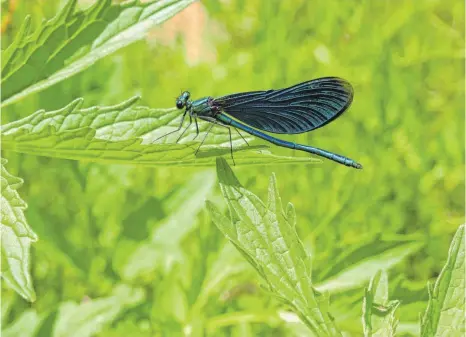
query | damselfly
[301, 108]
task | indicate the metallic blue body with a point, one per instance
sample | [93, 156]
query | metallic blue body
[301, 108]
[283, 143]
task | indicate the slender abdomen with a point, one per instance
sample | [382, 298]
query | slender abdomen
[306, 148]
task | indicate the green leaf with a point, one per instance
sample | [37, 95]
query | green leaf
[89, 317]
[355, 268]
[164, 247]
[264, 235]
[16, 237]
[126, 133]
[229, 265]
[172, 306]
[445, 313]
[378, 312]
[74, 40]
[25, 325]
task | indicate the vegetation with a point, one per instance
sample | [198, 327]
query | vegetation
[108, 232]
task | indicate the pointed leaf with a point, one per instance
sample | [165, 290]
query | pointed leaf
[16, 237]
[445, 313]
[263, 233]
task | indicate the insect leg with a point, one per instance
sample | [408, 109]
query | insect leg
[231, 146]
[190, 122]
[197, 128]
[203, 140]
[214, 121]
[242, 136]
[179, 128]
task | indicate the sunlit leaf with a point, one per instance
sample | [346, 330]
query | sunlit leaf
[378, 312]
[264, 235]
[74, 40]
[25, 325]
[90, 316]
[445, 313]
[16, 237]
[126, 133]
[228, 265]
[357, 267]
[163, 249]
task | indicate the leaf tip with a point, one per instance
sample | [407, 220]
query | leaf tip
[225, 173]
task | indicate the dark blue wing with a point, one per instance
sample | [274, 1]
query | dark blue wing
[300, 108]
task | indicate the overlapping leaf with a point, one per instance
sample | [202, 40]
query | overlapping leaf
[445, 314]
[74, 40]
[126, 133]
[378, 312]
[16, 236]
[267, 238]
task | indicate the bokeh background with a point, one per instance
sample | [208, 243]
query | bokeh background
[96, 222]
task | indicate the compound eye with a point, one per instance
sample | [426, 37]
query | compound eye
[179, 104]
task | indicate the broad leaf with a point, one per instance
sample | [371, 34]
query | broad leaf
[16, 237]
[445, 313]
[129, 134]
[74, 40]
[267, 238]
[378, 312]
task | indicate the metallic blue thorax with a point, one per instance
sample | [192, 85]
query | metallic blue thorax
[202, 107]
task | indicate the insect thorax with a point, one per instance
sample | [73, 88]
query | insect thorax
[203, 107]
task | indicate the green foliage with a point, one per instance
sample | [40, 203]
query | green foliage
[17, 236]
[265, 234]
[354, 268]
[104, 227]
[74, 40]
[123, 133]
[76, 319]
[445, 311]
[378, 312]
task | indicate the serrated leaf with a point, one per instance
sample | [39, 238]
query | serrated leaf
[263, 233]
[378, 312]
[357, 267]
[445, 313]
[74, 40]
[128, 134]
[16, 237]
[90, 316]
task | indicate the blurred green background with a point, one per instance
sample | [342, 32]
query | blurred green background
[405, 60]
